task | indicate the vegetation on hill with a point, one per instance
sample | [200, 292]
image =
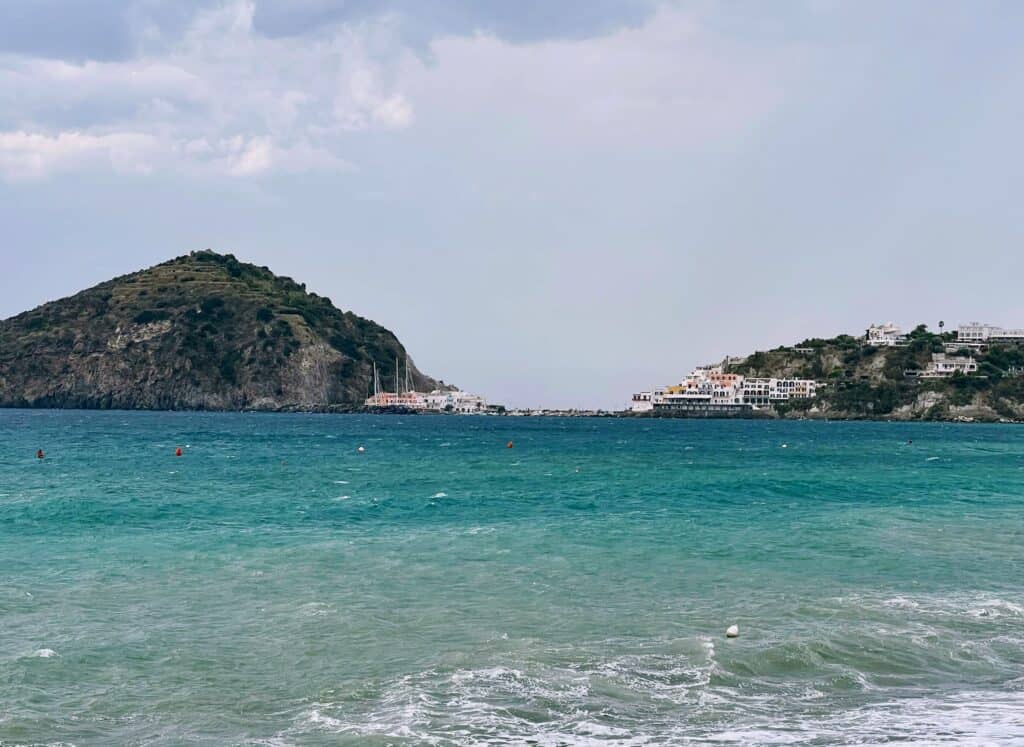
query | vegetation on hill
[862, 381]
[203, 331]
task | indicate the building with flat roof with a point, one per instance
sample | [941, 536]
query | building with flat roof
[979, 333]
[943, 366]
[884, 335]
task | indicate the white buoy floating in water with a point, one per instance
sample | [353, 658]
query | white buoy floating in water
[361, 449]
[785, 446]
[733, 631]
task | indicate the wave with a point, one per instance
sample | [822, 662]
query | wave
[505, 705]
[662, 692]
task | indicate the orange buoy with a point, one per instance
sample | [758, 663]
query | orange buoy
[509, 445]
[177, 452]
[40, 454]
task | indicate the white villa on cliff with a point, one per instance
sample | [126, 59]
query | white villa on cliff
[978, 333]
[886, 335]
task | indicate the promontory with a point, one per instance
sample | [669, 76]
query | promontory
[204, 331]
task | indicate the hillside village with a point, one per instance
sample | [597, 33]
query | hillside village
[974, 373]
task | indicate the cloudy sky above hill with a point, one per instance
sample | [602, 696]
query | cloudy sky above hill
[550, 203]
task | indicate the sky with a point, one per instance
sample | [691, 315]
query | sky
[550, 203]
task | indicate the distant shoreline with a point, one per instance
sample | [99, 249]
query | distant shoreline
[546, 413]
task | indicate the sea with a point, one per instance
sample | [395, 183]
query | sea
[508, 581]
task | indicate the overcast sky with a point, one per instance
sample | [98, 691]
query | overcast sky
[548, 202]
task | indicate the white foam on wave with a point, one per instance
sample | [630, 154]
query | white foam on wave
[341, 498]
[968, 719]
[662, 676]
[45, 653]
[667, 692]
[315, 609]
[974, 605]
[439, 495]
[317, 718]
[341, 482]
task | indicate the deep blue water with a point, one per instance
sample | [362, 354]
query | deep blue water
[274, 586]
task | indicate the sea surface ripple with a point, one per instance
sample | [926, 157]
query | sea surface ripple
[273, 586]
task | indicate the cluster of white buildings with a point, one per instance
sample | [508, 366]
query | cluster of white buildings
[439, 400]
[969, 337]
[710, 390]
[974, 335]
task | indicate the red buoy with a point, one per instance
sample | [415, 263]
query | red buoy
[177, 452]
[509, 445]
[40, 454]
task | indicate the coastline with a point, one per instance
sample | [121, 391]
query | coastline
[757, 415]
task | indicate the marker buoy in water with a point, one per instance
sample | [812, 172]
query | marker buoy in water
[509, 445]
[733, 631]
[360, 450]
[177, 452]
[40, 454]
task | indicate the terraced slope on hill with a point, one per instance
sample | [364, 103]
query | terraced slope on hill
[203, 331]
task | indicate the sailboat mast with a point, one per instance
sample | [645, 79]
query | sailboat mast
[397, 388]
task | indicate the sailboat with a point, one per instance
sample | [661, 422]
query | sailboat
[402, 399]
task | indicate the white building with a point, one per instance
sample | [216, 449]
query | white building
[886, 335]
[943, 366]
[762, 392]
[454, 401]
[641, 402]
[978, 333]
[647, 401]
[468, 404]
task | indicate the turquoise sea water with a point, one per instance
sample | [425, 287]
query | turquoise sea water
[275, 587]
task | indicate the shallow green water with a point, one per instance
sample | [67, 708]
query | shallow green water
[273, 586]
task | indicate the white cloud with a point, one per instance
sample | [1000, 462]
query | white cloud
[28, 156]
[223, 99]
[391, 112]
[253, 157]
[669, 83]
[25, 155]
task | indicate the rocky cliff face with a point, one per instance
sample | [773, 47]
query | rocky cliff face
[203, 332]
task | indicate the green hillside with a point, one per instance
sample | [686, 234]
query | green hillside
[872, 382]
[203, 331]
